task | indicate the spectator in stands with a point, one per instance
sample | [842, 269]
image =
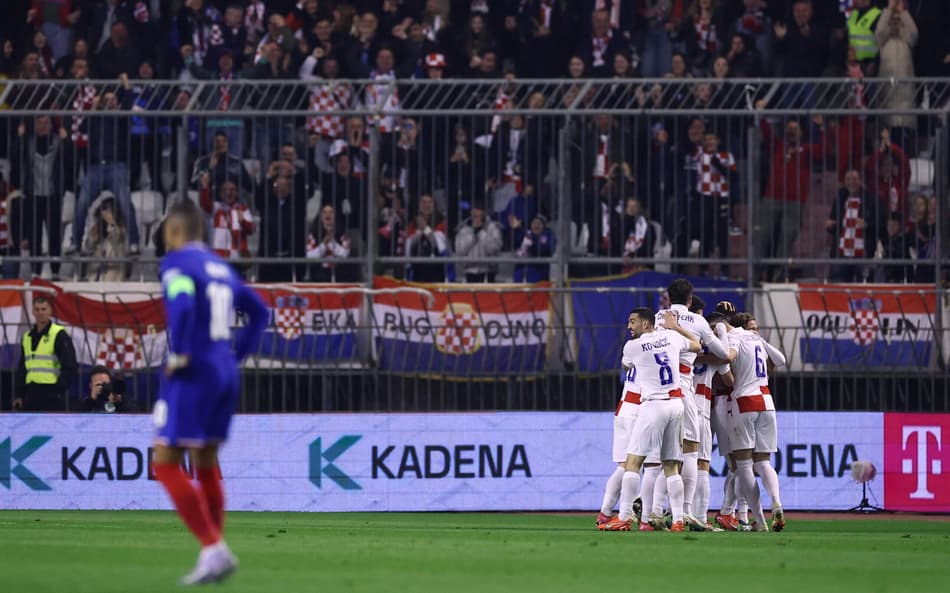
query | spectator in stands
[105, 395]
[43, 52]
[143, 132]
[803, 47]
[255, 24]
[479, 237]
[283, 231]
[118, 56]
[516, 215]
[542, 24]
[536, 242]
[231, 221]
[471, 43]
[924, 237]
[196, 25]
[854, 226]
[662, 18]
[430, 214]
[887, 172]
[656, 175]
[755, 29]
[233, 39]
[426, 240]
[289, 165]
[703, 32]
[778, 216]
[896, 36]
[279, 34]
[223, 165]
[64, 66]
[631, 235]
[9, 225]
[598, 47]
[744, 59]
[849, 138]
[393, 220]
[105, 240]
[895, 245]
[325, 241]
[363, 47]
[412, 46]
[47, 366]
[8, 63]
[108, 150]
[466, 174]
[710, 208]
[55, 19]
[270, 131]
[344, 189]
[862, 24]
[39, 168]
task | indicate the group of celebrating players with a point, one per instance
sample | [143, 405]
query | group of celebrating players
[686, 378]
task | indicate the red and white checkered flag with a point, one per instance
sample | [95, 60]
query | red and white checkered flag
[865, 325]
[458, 330]
[119, 349]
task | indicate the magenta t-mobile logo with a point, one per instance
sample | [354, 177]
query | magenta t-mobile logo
[925, 465]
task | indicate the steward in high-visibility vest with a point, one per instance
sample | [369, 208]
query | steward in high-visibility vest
[47, 365]
[861, 26]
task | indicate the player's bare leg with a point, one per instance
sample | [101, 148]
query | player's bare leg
[763, 466]
[747, 487]
[689, 475]
[611, 495]
[215, 561]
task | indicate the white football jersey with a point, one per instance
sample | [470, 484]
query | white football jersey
[751, 372]
[655, 355]
[698, 327]
[629, 403]
[702, 385]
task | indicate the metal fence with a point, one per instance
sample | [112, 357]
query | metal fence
[337, 181]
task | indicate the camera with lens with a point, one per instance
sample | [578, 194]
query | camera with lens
[116, 387]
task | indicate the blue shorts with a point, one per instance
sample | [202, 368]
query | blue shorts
[195, 405]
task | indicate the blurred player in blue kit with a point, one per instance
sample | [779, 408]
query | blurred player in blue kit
[201, 386]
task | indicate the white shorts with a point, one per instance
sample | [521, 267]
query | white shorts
[623, 429]
[657, 433]
[690, 416]
[705, 439]
[755, 430]
[721, 424]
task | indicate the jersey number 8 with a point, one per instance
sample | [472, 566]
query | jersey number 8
[666, 372]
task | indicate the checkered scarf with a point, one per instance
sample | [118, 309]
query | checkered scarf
[4, 223]
[229, 229]
[706, 38]
[851, 238]
[710, 180]
[324, 99]
[83, 100]
[374, 98]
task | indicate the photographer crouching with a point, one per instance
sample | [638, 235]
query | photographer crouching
[105, 395]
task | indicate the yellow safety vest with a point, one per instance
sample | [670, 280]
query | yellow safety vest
[861, 35]
[41, 364]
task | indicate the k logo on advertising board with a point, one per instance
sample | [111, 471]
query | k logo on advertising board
[12, 463]
[916, 460]
[321, 462]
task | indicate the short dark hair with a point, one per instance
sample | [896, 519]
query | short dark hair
[644, 313]
[742, 319]
[100, 370]
[697, 305]
[679, 291]
[190, 218]
[42, 298]
[717, 317]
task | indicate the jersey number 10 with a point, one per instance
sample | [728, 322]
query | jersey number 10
[220, 300]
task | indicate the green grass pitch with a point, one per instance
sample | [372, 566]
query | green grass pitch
[132, 552]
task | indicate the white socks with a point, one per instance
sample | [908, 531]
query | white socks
[748, 488]
[770, 481]
[729, 494]
[689, 479]
[675, 485]
[659, 494]
[701, 499]
[612, 491]
[630, 487]
[650, 475]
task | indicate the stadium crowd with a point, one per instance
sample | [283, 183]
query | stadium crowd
[474, 187]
